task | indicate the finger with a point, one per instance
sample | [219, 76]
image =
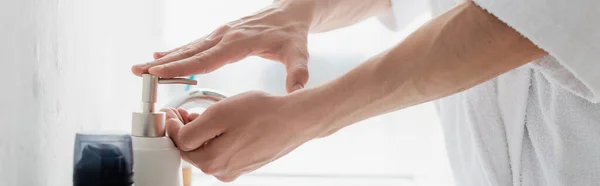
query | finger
[171, 113]
[174, 122]
[182, 53]
[228, 178]
[219, 32]
[178, 114]
[296, 63]
[214, 156]
[158, 55]
[204, 62]
[173, 126]
[193, 116]
[184, 115]
[199, 131]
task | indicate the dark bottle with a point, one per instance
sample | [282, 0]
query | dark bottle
[102, 160]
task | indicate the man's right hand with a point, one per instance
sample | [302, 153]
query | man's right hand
[278, 32]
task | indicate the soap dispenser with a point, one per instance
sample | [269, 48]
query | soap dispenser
[156, 159]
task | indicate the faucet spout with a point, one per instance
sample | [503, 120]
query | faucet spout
[195, 98]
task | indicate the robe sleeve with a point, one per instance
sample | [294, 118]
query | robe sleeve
[568, 30]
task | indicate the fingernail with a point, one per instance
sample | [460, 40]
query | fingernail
[140, 65]
[298, 86]
[157, 55]
[156, 68]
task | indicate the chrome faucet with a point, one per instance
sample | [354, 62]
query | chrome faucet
[200, 97]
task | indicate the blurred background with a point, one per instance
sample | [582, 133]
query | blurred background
[66, 69]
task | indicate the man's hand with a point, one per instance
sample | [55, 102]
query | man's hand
[278, 32]
[240, 134]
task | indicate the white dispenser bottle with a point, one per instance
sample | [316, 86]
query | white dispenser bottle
[156, 159]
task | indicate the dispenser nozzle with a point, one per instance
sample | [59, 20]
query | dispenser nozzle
[177, 81]
[149, 89]
[150, 123]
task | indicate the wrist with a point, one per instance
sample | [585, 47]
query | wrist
[359, 94]
[304, 10]
[311, 110]
[333, 14]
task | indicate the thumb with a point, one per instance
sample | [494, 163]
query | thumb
[297, 70]
[174, 123]
[201, 130]
[173, 127]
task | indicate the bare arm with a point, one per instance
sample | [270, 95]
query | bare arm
[456, 51]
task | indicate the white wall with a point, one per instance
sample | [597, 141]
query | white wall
[64, 68]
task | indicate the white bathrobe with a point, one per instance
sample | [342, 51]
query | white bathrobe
[535, 125]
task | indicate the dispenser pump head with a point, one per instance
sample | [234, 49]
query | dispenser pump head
[149, 122]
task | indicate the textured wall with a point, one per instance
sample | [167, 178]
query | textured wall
[64, 68]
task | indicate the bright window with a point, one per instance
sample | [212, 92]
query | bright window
[400, 148]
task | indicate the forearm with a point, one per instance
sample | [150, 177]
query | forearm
[455, 51]
[332, 14]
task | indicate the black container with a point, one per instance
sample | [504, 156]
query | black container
[102, 160]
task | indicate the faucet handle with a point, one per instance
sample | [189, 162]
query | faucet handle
[177, 81]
